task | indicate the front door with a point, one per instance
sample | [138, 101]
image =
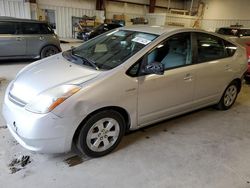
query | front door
[161, 96]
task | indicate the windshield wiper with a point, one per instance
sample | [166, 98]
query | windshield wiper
[85, 60]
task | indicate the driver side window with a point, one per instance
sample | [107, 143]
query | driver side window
[174, 52]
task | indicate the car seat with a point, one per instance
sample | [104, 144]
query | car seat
[177, 54]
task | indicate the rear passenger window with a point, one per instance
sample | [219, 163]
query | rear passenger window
[8, 28]
[210, 48]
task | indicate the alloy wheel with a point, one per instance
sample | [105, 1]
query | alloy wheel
[230, 95]
[103, 134]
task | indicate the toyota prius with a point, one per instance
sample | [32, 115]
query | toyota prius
[128, 78]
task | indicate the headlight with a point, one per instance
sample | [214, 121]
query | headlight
[48, 100]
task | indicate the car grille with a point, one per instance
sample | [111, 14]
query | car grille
[16, 100]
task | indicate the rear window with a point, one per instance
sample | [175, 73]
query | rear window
[8, 28]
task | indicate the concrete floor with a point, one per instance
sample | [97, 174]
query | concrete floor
[206, 148]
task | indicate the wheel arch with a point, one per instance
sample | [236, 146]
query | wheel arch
[40, 53]
[118, 109]
[239, 83]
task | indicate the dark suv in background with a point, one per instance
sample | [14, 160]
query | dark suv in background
[23, 38]
[241, 36]
[102, 28]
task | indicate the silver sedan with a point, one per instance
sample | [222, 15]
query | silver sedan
[128, 78]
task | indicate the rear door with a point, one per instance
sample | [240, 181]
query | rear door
[214, 68]
[11, 42]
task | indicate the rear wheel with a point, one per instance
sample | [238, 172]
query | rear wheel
[101, 133]
[48, 51]
[247, 80]
[229, 96]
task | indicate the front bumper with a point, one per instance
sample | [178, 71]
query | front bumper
[44, 133]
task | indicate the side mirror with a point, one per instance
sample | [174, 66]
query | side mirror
[154, 68]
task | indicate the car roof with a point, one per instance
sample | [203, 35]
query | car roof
[12, 19]
[158, 30]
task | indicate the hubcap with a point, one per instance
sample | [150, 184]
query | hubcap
[49, 52]
[103, 134]
[230, 95]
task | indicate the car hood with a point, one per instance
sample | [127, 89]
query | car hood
[48, 73]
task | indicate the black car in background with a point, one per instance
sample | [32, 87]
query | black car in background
[85, 35]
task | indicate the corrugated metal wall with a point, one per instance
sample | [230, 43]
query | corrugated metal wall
[17, 9]
[64, 17]
[20, 9]
[180, 20]
[211, 25]
[206, 24]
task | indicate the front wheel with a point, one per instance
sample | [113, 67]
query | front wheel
[48, 51]
[101, 133]
[229, 96]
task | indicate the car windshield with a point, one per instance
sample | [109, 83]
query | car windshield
[112, 49]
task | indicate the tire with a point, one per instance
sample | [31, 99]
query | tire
[48, 51]
[247, 79]
[101, 133]
[229, 96]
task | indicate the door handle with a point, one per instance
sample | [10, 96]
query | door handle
[188, 77]
[19, 38]
[41, 38]
[130, 89]
[227, 67]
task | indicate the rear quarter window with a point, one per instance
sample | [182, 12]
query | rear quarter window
[230, 48]
[46, 29]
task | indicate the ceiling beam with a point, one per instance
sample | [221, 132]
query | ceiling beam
[100, 5]
[152, 6]
[134, 3]
[31, 1]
